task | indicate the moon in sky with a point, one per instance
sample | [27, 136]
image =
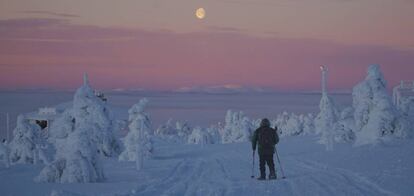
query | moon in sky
[200, 13]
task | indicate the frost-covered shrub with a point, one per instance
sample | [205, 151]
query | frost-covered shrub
[4, 154]
[407, 107]
[237, 128]
[183, 129]
[282, 123]
[177, 132]
[199, 136]
[344, 128]
[293, 125]
[404, 126]
[325, 121]
[137, 142]
[23, 145]
[166, 129]
[308, 124]
[214, 134]
[375, 115]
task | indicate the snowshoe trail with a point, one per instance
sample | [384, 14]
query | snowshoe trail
[225, 170]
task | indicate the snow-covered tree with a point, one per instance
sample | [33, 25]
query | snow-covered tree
[90, 109]
[78, 135]
[76, 159]
[282, 123]
[293, 126]
[23, 145]
[199, 136]
[325, 121]
[237, 128]
[137, 142]
[375, 115]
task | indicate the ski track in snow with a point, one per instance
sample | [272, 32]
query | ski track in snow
[227, 172]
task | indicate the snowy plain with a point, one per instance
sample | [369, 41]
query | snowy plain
[222, 169]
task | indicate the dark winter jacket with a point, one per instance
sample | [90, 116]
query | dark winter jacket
[265, 138]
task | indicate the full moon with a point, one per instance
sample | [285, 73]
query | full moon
[200, 13]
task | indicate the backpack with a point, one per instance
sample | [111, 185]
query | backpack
[268, 137]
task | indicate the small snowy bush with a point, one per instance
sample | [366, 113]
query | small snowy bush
[308, 124]
[237, 128]
[177, 132]
[137, 142]
[23, 145]
[293, 125]
[344, 129]
[4, 154]
[199, 136]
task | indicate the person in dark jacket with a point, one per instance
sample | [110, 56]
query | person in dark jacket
[265, 138]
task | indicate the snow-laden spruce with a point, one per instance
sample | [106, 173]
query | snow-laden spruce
[376, 118]
[92, 110]
[23, 147]
[137, 143]
[237, 128]
[76, 158]
[325, 121]
[78, 135]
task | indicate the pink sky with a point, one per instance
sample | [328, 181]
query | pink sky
[161, 46]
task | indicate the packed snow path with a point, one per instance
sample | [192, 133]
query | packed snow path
[226, 170]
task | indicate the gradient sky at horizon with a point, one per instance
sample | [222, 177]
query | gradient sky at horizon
[161, 45]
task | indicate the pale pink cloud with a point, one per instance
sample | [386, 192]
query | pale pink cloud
[55, 53]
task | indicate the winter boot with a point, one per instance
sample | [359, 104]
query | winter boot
[272, 175]
[262, 175]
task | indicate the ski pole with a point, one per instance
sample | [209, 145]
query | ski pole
[278, 160]
[253, 166]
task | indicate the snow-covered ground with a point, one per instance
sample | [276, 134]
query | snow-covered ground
[225, 169]
[222, 169]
